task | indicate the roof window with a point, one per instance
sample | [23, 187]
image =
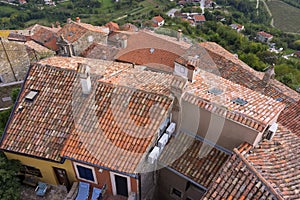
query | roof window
[152, 50]
[31, 95]
[215, 91]
[239, 101]
[279, 99]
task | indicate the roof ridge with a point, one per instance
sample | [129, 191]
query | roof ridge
[275, 193]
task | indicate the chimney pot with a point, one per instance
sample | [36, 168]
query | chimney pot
[179, 33]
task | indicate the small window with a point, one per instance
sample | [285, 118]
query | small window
[85, 172]
[176, 193]
[239, 101]
[215, 91]
[31, 170]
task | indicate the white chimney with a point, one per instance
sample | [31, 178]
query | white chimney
[85, 78]
[78, 19]
[179, 33]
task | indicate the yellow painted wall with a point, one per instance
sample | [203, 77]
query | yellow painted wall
[46, 167]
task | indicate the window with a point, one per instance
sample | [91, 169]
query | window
[31, 170]
[85, 172]
[1, 79]
[176, 193]
[31, 95]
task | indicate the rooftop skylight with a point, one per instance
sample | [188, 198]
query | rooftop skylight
[239, 101]
[215, 91]
[31, 95]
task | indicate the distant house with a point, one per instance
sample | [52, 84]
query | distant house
[45, 36]
[76, 36]
[264, 37]
[158, 21]
[112, 26]
[199, 19]
[129, 27]
[237, 27]
[22, 1]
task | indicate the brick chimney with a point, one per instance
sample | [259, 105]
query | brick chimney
[85, 78]
[78, 19]
[69, 20]
[123, 42]
[269, 74]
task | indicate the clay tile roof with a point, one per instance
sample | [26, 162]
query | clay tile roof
[260, 110]
[121, 119]
[158, 18]
[75, 30]
[233, 69]
[159, 83]
[45, 37]
[199, 18]
[290, 118]
[38, 48]
[236, 181]
[264, 34]
[100, 51]
[193, 158]
[47, 121]
[278, 162]
[112, 26]
[164, 50]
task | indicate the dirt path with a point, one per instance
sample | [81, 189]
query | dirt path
[269, 12]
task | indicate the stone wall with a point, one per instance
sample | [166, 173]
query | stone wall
[86, 40]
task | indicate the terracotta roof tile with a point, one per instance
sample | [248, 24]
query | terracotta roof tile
[75, 30]
[278, 162]
[45, 36]
[193, 158]
[290, 118]
[258, 112]
[236, 181]
[119, 117]
[231, 68]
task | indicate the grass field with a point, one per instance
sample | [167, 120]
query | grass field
[286, 17]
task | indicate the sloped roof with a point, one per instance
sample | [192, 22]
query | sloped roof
[45, 36]
[236, 181]
[121, 119]
[158, 19]
[100, 51]
[75, 30]
[256, 113]
[193, 158]
[42, 127]
[269, 170]
[200, 18]
[164, 50]
[37, 47]
[290, 118]
[233, 69]
[278, 162]
[264, 34]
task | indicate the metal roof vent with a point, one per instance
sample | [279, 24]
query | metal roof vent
[239, 101]
[31, 95]
[215, 91]
[152, 50]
